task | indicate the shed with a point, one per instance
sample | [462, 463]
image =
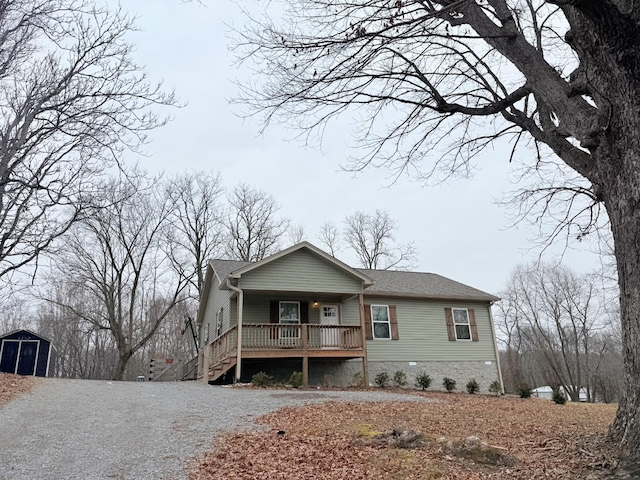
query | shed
[23, 352]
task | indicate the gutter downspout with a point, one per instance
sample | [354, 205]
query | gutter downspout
[239, 347]
[495, 348]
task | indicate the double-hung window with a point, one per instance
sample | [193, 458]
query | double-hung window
[219, 322]
[461, 323]
[380, 321]
[290, 314]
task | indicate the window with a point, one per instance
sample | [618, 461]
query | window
[219, 323]
[206, 334]
[461, 323]
[380, 321]
[290, 314]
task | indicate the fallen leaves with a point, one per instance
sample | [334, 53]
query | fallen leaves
[12, 386]
[325, 441]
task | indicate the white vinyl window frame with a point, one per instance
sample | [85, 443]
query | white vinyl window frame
[219, 322]
[376, 320]
[285, 332]
[458, 322]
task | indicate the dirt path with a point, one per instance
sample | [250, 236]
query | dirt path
[83, 429]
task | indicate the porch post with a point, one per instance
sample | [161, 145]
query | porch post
[305, 353]
[239, 349]
[205, 363]
[365, 365]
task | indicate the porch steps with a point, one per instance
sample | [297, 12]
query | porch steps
[220, 368]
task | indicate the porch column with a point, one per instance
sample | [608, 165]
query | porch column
[365, 365]
[239, 349]
[205, 363]
[305, 352]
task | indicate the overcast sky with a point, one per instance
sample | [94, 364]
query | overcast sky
[459, 230]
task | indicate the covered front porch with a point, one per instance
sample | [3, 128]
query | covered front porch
[269, 341]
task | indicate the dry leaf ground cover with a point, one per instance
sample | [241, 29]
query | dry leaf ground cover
[329, 441]
[12, 386]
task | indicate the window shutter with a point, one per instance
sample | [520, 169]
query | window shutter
[368, 329]
[473, 324]
[451, 331]
[274, 317]
[393, 320]
[274, 313]
[304, 312]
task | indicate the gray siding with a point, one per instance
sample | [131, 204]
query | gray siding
[350, 311]
[217, 299]
[301, 271]
[422, 332]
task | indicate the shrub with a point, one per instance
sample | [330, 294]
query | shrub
[358, 380]
[449, 384]
[423, 381]
[399, 378]
[473, 386]
[382, 379]
[261, 379]
[524, 390]
[558, 396]
[296, 379]
[495, 388]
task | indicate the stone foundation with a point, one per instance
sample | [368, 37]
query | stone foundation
[336, 373]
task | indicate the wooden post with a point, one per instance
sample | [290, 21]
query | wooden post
[205, 364]
[305, 351]
[365, 365]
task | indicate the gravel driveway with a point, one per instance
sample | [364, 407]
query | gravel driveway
[85, 429]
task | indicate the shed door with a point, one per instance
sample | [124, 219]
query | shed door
[27, 358]
[9, 356]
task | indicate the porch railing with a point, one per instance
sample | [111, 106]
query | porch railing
[305, 336]
[269, 336]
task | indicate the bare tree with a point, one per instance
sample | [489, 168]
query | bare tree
[371, 236]
[296, 234]
[72, 99]
[196, 218]
[558, 317]
[560, 76]
[330, 238]
[116, 257]
[254, 230]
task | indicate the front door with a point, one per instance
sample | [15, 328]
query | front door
[330, 315]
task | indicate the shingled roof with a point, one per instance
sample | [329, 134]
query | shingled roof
[422, 285]
[393, 283]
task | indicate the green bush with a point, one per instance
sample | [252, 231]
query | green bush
[382, 379]
[358, 380]
[524, 390]
[423, 380]
[399, 378]
[558, 396]
[449, 384]
[495, 388]
[296, 380]
[261, 379]
[473, 386]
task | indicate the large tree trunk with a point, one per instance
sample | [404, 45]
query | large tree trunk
[621, 192]
[121, 366]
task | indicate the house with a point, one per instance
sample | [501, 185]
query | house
[303, 310]
[24, 352]
[547, 392]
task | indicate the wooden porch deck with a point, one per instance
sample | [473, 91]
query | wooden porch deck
[276, 340]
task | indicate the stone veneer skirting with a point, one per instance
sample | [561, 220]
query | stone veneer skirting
[342, 373]
[336, 373]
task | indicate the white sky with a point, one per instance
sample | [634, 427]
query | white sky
[458, 229]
